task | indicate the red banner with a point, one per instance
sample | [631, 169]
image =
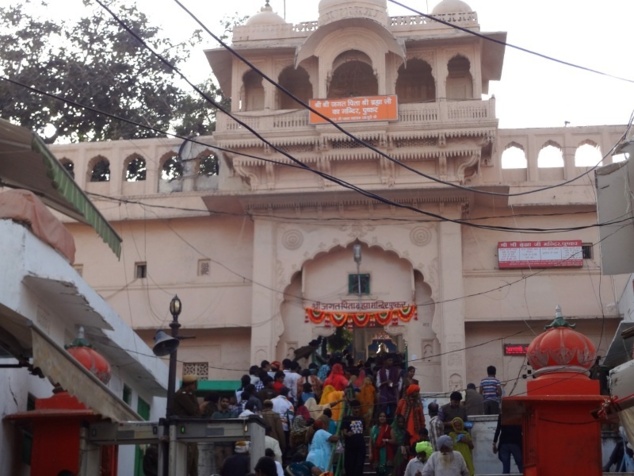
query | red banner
[361, 319]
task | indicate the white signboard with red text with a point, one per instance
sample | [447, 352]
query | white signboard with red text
[540, 254]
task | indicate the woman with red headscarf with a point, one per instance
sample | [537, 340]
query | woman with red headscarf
[411, 408]
[337, 379]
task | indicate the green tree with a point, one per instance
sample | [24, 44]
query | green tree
[96, 63]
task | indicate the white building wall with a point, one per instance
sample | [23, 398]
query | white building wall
[274, 233]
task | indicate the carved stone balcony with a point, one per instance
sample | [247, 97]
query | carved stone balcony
[431, 115]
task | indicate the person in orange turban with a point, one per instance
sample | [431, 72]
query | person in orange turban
[411, 408]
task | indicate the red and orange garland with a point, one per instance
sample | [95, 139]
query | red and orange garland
[362, 319]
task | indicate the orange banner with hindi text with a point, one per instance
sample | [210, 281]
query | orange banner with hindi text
[355, 109]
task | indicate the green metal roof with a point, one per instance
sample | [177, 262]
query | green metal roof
[26, 163]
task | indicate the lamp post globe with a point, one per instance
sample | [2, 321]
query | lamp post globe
[165, 345]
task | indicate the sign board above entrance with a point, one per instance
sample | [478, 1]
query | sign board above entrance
[355, 109]
[540, 254]
[515, 349]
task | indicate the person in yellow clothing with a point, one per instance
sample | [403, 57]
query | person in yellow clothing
[463, 443]
[367, 396]
[332, 397]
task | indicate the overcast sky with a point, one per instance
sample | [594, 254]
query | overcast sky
[533, 92]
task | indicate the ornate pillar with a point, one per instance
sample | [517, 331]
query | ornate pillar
[266, 323]
[441, 78]
[449, 321]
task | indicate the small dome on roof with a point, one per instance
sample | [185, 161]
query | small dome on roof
[451, 6]
[266, 16]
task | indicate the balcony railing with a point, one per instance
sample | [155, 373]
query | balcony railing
[419, 113]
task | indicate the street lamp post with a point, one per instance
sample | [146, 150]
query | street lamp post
[175, 310]
[166, 345]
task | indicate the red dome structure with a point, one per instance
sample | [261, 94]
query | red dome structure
[561, 348]
[555, 412]
[56, 422]
[83, 352]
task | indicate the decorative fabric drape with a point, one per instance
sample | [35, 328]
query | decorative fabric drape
[362, 319]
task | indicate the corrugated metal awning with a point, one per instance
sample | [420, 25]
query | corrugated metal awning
[26, 163]
[619, 351]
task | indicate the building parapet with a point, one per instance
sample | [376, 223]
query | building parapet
[397, 24]
[417, 133]
[406, 22]
[441, 112]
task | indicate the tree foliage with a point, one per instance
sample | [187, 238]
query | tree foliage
[93, 61]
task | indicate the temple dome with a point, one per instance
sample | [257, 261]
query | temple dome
[561, 348]
[451, 6]
[266, 16]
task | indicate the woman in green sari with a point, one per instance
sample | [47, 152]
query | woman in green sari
[400, 439]
[462, 442]
[381, 446]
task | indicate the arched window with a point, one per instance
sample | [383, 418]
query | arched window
[253, 99]
[100, 171]
[550, 156]
[514, 157]
[136, 169]
[459, 80]
[172, 168]
[297, 82]
[353, 76]
[415, 82]
[208, 164]
[588, 154]
[69, 166]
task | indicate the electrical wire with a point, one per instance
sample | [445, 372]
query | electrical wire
[363, 143]
[215, 104]
[504, 43]
[354, 188]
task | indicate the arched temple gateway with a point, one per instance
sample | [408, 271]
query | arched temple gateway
[259, 239]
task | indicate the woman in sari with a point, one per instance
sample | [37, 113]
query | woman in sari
[463, 443]
[320, 448]
[333, 398]
[400, 439]
[381, 446]
[366, 396]
[337, 378]
[298, 438]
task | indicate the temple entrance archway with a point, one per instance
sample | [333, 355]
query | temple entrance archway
[392, 304]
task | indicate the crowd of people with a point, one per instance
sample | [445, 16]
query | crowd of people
[316, 416]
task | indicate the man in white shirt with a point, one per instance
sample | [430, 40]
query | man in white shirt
[445, 461]
[436, 426]
[272, 444]
[284, 408]
[416, 465]
[290, 378]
